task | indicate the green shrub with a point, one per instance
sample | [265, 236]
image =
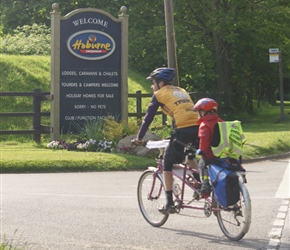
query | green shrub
[92, 129]
[115, 131]
[27, 40]
[163, 131]
[101, 135]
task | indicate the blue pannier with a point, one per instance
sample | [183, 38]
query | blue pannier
[225, 184]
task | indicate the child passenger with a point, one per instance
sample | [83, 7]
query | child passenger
[208, 117]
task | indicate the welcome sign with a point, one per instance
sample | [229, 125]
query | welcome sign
[91, 76]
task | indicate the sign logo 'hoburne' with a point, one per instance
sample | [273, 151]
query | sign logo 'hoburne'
[91, 45]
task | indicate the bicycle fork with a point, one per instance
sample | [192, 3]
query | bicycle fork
[156, 174]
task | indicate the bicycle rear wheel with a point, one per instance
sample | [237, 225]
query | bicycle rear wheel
[235, 220]
[151, 195]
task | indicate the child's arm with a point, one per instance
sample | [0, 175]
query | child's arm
[205, 137]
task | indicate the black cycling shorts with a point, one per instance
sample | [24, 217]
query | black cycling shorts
[175, 152]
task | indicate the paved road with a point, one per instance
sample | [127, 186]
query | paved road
[76, 211]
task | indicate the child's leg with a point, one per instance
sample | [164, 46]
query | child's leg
[203, 172]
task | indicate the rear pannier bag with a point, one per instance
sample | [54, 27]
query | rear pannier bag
[225, 184]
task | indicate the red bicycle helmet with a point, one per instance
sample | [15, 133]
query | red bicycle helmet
[205, 104]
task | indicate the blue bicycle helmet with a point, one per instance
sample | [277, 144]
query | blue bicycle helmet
[166, 74]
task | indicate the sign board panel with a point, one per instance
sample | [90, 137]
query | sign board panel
[90, 69]
[273, 51]
[274, 55]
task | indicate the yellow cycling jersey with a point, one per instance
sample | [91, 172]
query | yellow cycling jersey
[176, 103]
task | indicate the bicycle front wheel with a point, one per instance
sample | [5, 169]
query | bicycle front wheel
[151, 195]
[235, 220]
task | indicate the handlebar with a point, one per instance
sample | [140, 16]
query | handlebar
[188, 149]
[138, 143]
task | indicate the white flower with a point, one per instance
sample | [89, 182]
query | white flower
[105, 144]
[82, 146]
[93, 142]
[53, 144]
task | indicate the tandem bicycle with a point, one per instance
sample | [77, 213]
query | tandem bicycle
[234, 221]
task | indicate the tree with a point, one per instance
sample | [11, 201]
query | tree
[28, 12]
[235, 37]
[222, 45]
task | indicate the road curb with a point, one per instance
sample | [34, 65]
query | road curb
[279, 237]
[269, 157]
[285, 239]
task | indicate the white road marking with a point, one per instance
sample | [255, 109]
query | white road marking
[84, 195]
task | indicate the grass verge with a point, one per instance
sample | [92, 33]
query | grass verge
[30, 158]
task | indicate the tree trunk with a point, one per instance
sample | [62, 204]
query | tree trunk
[223, 66]
[250, 105]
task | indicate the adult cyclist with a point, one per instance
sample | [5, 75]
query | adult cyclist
[176, 103]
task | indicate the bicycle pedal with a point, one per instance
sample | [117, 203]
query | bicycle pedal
[177, 209]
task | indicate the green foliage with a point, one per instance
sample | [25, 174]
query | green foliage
[92, 129]
[27, 40]
[90, 137]
[106, 133]
[221, 46]
[115, 131]
[18, 13]
[229, 43]
[1, 30]
[24, 12]
[163, 131]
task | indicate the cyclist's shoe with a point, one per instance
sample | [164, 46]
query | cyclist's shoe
[205, 188]
[167, 209]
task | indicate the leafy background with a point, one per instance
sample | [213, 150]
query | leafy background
[222, 47]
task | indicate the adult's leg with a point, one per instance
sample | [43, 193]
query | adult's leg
[189, 135]
[168, 180]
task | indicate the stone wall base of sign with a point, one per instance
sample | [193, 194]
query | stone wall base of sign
[125, 143]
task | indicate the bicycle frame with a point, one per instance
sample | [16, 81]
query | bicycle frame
[184, 183]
